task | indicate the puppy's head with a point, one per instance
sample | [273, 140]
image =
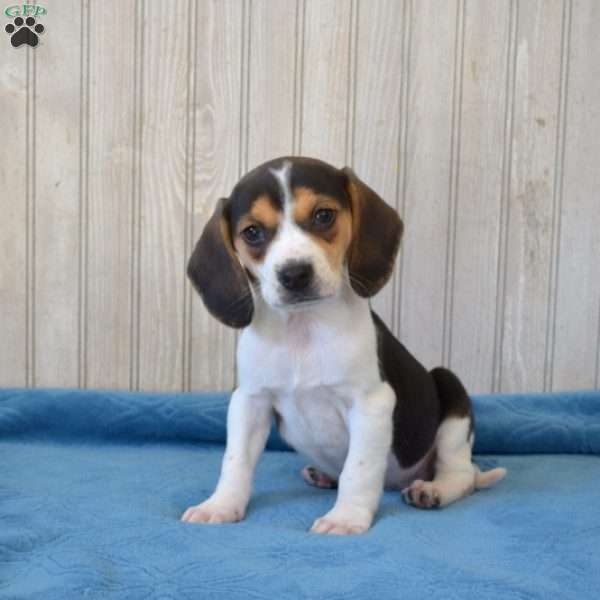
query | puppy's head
[296, 230]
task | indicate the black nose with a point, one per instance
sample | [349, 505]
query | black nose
[295, 276]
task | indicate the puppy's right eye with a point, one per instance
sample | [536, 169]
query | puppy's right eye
[254, 235]
[324, 218]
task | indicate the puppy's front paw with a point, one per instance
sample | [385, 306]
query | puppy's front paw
[343, 521]
[212, 511]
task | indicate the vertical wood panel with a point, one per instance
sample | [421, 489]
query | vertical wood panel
[110, 164]
[163, 170]
[57, 243]
[136, 197]
[217, 159]
[30, 174]
[377, 111]
[272, 80]
[503, 226]
[480, 175]
[84, 217]
[326, 74]
[428, 162]
[299, 75]
[13, 210]
[457, 93]
[578, 293]
[529, 243]
[190, 165]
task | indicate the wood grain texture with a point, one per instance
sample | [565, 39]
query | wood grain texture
[14, 165]
[109, 171]
[162, 180]
[578, 290]
[325, 80]
[57, 198]
[428, 155]
[218, 123]
[478, 121]
[531, 190]
[478, 218]
[271, 80]
[378, 111]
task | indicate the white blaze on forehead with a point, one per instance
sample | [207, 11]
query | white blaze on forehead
[283, 178]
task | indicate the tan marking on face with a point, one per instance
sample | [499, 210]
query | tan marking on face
[262, 213]
[249, 257]
[336, 240]
[305, 200]
[265, 213]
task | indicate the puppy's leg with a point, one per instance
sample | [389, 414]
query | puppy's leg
[248, 426]
[455, 474]
[361, 481]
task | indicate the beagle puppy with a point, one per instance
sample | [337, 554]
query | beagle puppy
[292, 258]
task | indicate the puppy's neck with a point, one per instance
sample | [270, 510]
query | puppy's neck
[341, 311]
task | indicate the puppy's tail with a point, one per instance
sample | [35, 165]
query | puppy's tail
[454, 401]
[486, 479]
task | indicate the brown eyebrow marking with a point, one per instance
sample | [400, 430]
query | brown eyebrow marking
[335, 240]
[305, 202]
[262, 211]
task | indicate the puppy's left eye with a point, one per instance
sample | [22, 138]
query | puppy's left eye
[254, 235]
[324, 217]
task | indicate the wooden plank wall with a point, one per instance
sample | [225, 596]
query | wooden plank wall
[478, 121]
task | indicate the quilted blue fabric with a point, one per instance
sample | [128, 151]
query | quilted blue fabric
[92, 485]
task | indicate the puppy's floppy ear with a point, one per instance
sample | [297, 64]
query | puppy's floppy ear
[376, 233]
[218, 275]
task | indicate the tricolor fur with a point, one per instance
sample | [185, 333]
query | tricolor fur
[292, 257]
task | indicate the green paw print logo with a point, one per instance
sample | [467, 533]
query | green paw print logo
[24, 28]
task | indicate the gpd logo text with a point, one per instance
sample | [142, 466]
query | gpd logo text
[25, 10]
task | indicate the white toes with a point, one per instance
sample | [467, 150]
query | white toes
[209, 512]
[328, 526]
[343, 522]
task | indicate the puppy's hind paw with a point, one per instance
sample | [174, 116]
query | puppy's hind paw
[317, 478]
[422, 494]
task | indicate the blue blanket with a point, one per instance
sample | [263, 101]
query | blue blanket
[92, 485]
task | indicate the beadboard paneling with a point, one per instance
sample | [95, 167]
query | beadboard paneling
[577, 327]
[58, 209]
[108, 170]
[16, 215]
[478, 121]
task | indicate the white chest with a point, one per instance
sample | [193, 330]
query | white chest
[332, 345]
[313, 366]
[314, 421]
